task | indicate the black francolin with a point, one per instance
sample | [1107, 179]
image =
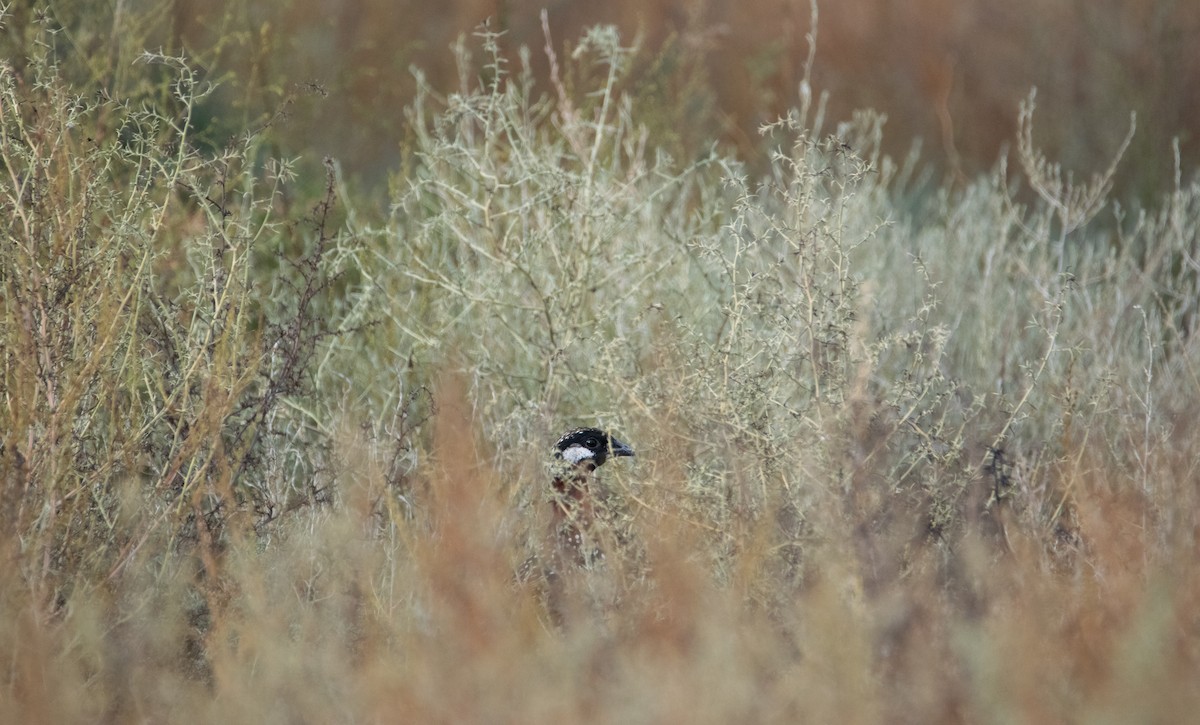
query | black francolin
[578, 453]
[574, 504]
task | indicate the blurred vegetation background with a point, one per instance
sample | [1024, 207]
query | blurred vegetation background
[949, 74]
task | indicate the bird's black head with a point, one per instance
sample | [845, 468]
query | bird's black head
[590, 444]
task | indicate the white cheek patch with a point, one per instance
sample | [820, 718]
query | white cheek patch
[576, 453]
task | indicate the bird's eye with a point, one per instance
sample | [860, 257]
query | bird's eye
[592, 443]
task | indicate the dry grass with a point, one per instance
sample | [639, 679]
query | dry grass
[269, 455]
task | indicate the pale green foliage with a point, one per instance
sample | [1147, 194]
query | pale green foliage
[774, 335]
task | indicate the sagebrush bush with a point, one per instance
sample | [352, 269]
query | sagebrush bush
[146, 353]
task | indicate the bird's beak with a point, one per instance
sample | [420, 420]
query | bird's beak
[618, 448]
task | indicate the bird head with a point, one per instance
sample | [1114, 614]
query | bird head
[590, 445]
